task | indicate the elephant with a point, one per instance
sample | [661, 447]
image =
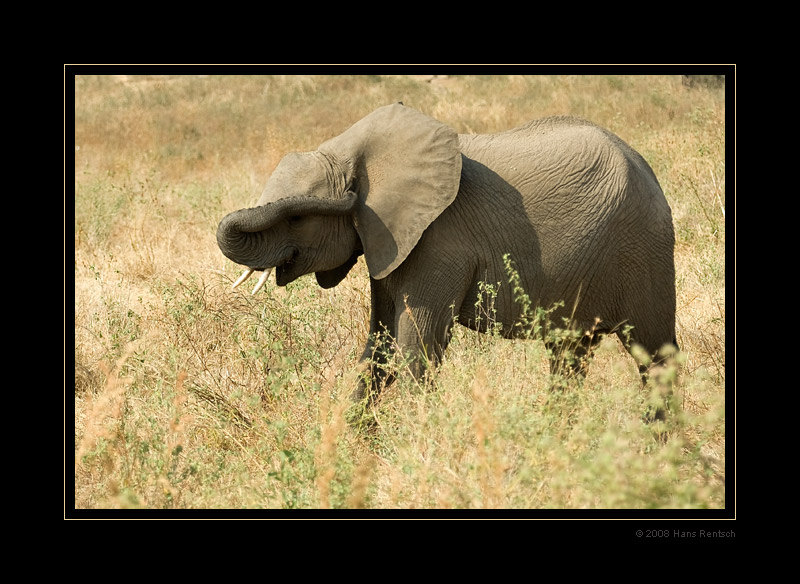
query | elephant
[579, 213]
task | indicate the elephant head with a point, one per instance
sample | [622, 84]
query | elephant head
[373, 189]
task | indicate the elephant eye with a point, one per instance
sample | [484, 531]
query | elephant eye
[294, 218]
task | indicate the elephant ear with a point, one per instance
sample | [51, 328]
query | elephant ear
[407, 170]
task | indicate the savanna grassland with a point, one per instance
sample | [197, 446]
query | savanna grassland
[190, 395]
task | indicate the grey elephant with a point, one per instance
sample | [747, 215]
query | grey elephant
[578, 211]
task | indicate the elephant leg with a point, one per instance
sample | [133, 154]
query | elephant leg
[660, 379]
[409, 320]
[652, 354]
[423, 334]
[569, 358]
[374, 374]
[372, 365]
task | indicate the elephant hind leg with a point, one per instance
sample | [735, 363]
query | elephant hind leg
[653, 357]
[650, 350]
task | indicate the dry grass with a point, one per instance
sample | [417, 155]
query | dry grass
[190, 396]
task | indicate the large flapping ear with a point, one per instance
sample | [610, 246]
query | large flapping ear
[407, 170]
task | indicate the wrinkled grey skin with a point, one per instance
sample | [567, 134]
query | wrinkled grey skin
[580, 213]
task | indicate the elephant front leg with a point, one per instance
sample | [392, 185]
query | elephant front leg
[374, 374]
[413, 346]
[406, 336]
[422, 336]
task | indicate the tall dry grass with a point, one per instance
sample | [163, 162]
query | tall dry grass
[190, 396]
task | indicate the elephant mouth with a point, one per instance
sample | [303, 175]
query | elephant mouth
[285, 270]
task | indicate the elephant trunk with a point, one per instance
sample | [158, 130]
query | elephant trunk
[240, 234]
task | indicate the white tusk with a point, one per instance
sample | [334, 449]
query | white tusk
[260, 284]
[242, 278]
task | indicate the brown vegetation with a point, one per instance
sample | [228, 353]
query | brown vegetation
[190, 395]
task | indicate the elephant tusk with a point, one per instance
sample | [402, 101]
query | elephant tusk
[242, 278]
[261, 280]
[260, 284]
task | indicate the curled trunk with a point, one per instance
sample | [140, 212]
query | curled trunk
[238, 234]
